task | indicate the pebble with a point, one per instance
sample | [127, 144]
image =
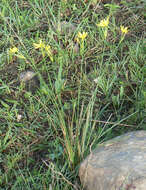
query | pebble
[26, 76]
[30, 79]
[65, 28]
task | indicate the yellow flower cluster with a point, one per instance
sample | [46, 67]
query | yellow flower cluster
[15, 51]
[104, 23]
[81, 36]
[39, 45]
[44, 48]
[124, 30]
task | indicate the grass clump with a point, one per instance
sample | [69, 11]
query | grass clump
[89, 58]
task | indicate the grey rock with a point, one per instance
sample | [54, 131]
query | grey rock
[30, 79]
[26, 76]
[65, 28]
[118, 164]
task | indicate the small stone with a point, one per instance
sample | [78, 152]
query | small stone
[30, 79]
[65, 28]
[19, 117]
[96, 80]
[26, 76]
[118, 164]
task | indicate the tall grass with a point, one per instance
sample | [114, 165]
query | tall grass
[92, 86]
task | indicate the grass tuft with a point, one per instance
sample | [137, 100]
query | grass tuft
[88, 62]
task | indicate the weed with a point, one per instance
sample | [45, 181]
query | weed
[89, 59]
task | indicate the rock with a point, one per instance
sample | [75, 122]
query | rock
[118, 164]
[26, 76]
[65, 28]
[30, 80]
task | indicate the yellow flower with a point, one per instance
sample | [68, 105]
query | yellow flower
[81, 36]
[104, 23]
[47, 48]
[48, 51]
[13, 50]
[39, 45]
[124, 30]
